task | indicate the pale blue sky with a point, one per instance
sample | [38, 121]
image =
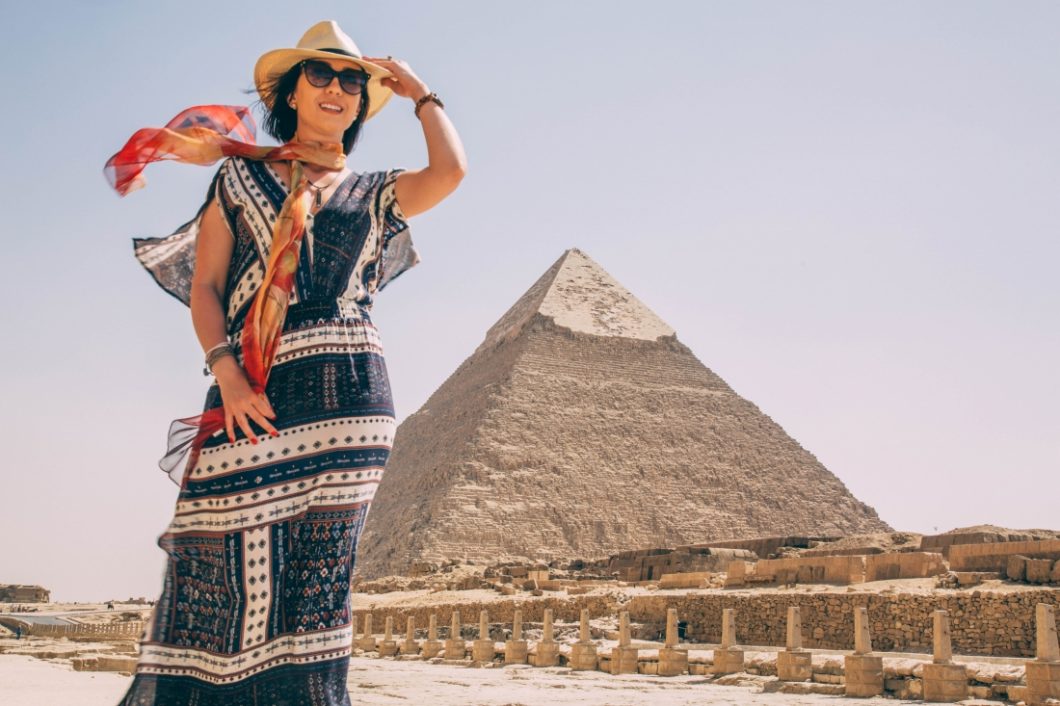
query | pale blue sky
[848, 210]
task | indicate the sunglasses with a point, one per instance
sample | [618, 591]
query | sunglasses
[320, 74]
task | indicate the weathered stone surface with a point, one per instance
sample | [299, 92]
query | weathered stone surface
[794, 666]
[672, 662]
[579, 397]
[728, 661]
[864, 675]
[1039, 570]
[1043, 681]
[945, 682]
[904, 565]
[1016, 568]
[994, 556]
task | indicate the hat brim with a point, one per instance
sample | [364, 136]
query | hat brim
[277, 62]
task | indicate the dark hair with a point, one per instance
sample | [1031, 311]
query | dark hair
[281, 120]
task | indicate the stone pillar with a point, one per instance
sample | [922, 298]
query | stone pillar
[483, 649]
[672, 661]
[409, 646]
[455, 647]
[728, 659]
[353, 632]
[583, 652]
[864, 671]
[432, 646]
[388, 647]
[624, 657]
[943, 680]
[515, 649]
[367, 641]
[794, 663]
[1043, 672]
[546, 652]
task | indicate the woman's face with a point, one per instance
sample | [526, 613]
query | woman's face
[328, 110]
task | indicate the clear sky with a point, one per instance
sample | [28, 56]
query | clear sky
[847, 210]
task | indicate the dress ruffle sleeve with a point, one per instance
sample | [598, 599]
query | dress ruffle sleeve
[398, 252]
[171, 259]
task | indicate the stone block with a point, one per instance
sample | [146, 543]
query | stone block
[546, 654]
[1054, 575]
[515, 652]
[387, 648]
[431, 648]
[794, 666]
[945, 682]
[727, 661]
[672, 662]
[1043, 682]
[624, 660]
[455, 649]
[408, 647]
[1016, 693]
[864, 675]
[483, 650]
[1016, 568]
[1038, 570]
[583, 656]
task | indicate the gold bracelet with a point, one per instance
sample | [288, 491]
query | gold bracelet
[430, 97]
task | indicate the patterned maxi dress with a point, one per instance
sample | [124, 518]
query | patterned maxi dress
[255, 606]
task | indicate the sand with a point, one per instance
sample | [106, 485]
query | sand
[25, 681]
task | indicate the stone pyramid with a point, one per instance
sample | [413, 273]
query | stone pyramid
[581, 427]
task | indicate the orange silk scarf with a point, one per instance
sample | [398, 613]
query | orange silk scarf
[202, 135]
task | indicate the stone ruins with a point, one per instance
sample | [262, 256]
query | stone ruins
[582, 427]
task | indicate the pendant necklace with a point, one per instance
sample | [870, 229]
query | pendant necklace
[318, 190]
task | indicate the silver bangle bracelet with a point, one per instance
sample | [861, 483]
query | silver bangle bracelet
[215, 354]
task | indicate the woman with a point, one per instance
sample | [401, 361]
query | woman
[277, 474]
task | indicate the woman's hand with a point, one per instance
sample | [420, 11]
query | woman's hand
[404, 82]
[241, 403]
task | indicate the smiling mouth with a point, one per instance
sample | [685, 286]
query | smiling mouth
[331, 108]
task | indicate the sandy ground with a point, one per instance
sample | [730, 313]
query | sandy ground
[25, 681]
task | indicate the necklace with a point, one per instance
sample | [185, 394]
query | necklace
[318, 189]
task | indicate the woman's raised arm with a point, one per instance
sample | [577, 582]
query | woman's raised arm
[421, 189]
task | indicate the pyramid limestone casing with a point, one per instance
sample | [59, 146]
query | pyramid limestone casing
[582, 427]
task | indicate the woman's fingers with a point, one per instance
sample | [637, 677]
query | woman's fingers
[244, 424]
[228, 426]
[259, 416]
[268, 406]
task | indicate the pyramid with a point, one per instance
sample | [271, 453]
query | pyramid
[582, 427]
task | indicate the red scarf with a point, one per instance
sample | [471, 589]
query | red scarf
[203, 135]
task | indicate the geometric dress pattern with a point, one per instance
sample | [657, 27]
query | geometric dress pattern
[255, 603]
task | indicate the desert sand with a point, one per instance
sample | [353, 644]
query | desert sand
[25, 681]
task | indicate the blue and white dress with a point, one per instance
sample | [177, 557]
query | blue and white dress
[255, 605]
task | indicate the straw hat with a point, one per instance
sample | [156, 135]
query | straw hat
[324, 40]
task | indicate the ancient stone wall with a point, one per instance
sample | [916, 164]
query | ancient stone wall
[904, 565]
[994, 556]
[764, 547]
[981, 622]
[650, 564]
[984, 623]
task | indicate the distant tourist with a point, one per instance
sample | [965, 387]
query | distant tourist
[279, 267]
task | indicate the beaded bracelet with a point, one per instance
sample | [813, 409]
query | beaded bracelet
[430, 97]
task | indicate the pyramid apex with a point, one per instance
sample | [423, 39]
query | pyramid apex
[577, 293]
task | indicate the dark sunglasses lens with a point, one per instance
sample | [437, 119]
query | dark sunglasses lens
[318, 73]
[352, 81]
